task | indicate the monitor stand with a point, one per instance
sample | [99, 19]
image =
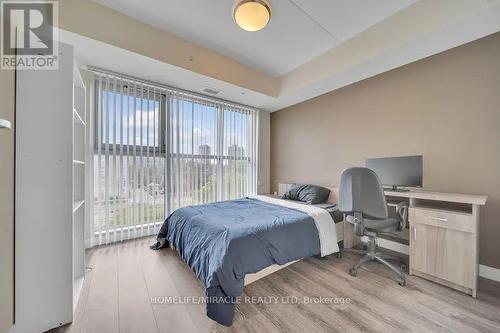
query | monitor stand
[394, 188]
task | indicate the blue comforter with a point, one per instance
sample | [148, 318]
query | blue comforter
[223, 241]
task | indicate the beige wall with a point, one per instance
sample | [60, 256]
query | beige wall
[446, 107]
[6, 201]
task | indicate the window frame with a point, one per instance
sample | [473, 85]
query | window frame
[130, 149]
[162, 150]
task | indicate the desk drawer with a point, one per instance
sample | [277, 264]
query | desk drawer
[443, 219]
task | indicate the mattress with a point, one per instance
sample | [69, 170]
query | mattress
[333, 209]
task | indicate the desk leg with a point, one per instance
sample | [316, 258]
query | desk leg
[350, 238]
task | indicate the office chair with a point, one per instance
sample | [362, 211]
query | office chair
[362, 198]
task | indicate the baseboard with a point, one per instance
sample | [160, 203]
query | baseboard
[488, 272]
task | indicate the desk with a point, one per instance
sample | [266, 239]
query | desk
[444, 231]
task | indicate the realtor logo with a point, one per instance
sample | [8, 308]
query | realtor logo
[29, 35]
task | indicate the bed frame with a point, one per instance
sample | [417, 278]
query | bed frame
[282, 188]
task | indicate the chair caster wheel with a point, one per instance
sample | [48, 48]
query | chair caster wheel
[353, 272]
[402, 282]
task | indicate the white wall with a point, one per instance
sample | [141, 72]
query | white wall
[264, 170]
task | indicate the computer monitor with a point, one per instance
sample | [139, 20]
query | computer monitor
[405, 171]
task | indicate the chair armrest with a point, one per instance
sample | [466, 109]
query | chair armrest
[357, 220]
[350, 219]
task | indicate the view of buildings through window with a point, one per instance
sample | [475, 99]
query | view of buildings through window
[156, 152]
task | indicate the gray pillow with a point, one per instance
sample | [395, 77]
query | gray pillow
[310, 194]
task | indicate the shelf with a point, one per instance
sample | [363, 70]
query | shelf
[78, 190]
[77, 204]
[464, 210]
[78, 119]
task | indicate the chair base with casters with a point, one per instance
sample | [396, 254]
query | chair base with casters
[362, 200]
[371, 254]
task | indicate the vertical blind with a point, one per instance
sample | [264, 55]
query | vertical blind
[212, 151]
[157, 149]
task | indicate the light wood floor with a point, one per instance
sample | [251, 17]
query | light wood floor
[117, 293]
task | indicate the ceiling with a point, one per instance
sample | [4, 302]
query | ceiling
[89, 52]
[299, 31]
[298, 42]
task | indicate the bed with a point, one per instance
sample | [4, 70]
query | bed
[233, 243]
[339, 228]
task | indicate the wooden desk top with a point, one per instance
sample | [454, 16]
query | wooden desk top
[472, 199]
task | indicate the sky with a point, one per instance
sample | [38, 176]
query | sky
[198, 123]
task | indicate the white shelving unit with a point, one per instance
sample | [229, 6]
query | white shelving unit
[50, 194]
[78, 183]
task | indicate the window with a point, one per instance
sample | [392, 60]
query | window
[212, 152]
[129, 160]
[158, 149]
[193, 150]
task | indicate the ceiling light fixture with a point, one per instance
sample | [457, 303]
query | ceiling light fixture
[252, 15]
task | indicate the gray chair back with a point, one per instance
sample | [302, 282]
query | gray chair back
[360, 191]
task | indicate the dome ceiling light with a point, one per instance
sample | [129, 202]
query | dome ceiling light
[252, 15]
